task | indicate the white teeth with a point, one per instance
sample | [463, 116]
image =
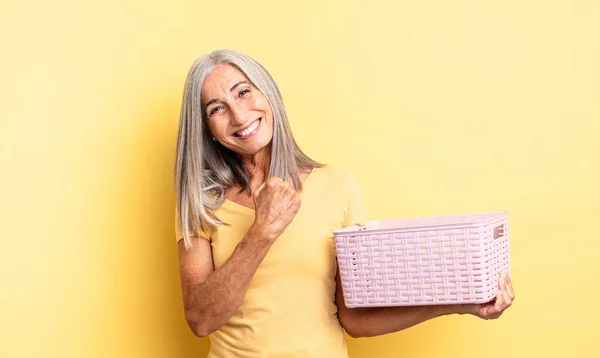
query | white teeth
[248, 130]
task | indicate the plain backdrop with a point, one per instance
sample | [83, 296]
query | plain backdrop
[436, 107]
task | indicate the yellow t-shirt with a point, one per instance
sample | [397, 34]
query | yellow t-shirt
[289, 308]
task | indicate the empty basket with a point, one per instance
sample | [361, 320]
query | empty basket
[423, 261]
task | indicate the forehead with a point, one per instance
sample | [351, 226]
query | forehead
[220, 80]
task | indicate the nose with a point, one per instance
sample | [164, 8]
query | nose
[239, 114]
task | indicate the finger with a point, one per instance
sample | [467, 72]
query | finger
[509, 288]
[507, 302]
[276, 187]
[482, 310]
[296, 203]
[289, 191]
[260, 188]
[485, 309]
[283, 187]
[504, 303]
[283, 184]
[499, 304]
[274, 182]
[504, 287]
[501, 282]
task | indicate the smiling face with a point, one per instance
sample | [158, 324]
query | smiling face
[238, 115]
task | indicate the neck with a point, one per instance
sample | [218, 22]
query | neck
[258, 166]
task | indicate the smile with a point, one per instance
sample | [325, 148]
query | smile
[248, 131]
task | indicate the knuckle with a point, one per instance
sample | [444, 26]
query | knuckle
[274, 182]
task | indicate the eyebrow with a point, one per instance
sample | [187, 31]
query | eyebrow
[237, 84]
[230, 90]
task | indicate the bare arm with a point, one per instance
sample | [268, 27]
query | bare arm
[211, 296]
[367, 322]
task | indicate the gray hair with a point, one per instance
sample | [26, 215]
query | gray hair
[204, 169]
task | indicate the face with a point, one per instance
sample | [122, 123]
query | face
[238, 115]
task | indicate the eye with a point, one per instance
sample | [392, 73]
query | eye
[214, 110]
[244, 92]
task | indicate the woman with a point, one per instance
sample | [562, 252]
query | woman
[255, 226]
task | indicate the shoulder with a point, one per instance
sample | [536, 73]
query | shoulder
[331, 174]
[343, 185]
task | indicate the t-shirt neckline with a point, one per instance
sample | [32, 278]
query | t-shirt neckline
[252, 210]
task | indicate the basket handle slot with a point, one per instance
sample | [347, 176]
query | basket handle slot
[498, 232]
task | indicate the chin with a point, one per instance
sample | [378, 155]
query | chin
[256, 149]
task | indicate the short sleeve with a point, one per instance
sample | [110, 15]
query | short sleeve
[352, 202]
[179, 231]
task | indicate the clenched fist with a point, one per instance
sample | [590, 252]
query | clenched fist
[276, 204]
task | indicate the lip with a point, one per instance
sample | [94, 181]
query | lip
[253, 133]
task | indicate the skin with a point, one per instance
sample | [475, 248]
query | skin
[211, 296]
[234, 104]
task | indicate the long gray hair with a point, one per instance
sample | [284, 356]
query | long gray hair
[204, 169]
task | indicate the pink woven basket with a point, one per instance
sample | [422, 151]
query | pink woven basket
[423, 261]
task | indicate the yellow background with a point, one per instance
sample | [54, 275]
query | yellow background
[437, 107]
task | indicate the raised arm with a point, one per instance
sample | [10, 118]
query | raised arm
[212, 296]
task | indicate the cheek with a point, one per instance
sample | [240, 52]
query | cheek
[216, 127]
[261, 103]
